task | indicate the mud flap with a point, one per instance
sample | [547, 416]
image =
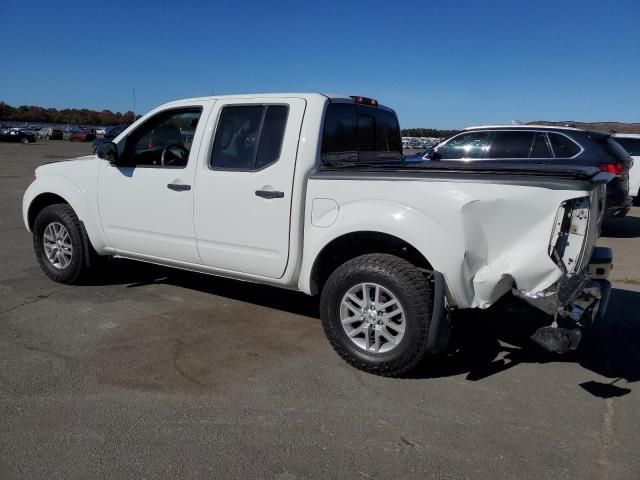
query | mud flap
[440, 326]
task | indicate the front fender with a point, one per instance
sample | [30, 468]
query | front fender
[84, 207]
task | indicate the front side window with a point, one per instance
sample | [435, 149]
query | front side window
[249, 137]
[472, 145]
[562, 146]
[163, 140]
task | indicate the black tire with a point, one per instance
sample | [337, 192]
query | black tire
[63, 214]
[412, 289]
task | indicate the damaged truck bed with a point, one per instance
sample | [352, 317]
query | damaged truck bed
[489, 229]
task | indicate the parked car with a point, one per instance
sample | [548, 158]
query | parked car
[55, 134]
[110, 134]
[544, 145]
[42, 133]
[15, 135]
[309, 192]
[631, 143]
[83, 136]
[49, 133]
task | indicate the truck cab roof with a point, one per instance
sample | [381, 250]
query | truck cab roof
[308, 96]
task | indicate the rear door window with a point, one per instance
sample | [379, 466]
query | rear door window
[248, 137]
[471, 145]
[562, 146]
[511, 144]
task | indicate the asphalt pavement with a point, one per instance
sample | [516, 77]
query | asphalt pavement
[154, 373]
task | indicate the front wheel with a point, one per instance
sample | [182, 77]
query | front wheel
[376, 311]
[57, 240]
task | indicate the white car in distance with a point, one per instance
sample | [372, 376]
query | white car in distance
[631, 143]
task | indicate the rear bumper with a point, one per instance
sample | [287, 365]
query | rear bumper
[581, 298]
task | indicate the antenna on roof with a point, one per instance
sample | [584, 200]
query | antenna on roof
[516, 122]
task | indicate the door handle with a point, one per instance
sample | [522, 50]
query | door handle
[269, 194]
[178, 187]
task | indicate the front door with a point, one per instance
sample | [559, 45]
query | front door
[244, 185]
[146, 201]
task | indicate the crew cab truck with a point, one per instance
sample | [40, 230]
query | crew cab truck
[310, 192]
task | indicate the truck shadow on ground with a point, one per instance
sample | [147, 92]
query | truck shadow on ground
[483, 343]
[137, 274]
[487, 343]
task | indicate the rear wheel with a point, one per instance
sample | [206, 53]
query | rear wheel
[25, 140]
[57, 240]
[376, 311]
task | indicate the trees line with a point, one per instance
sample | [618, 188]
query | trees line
[35, 114]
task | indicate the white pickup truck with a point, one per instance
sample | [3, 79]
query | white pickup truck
[309, 192]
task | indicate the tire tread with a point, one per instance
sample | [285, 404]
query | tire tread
[417, 288]
[68, 216]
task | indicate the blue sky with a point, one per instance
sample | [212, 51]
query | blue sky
[444, 64]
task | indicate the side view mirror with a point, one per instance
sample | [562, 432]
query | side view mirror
[108, 151]
[433, 155]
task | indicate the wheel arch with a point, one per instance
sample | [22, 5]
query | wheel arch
[353, 244]
[50, 190]
[41, 202]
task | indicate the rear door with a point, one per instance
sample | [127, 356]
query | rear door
[243, 187]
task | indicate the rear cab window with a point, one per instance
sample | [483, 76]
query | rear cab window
[359, 133]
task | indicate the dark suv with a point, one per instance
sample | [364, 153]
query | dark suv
[545, 145]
